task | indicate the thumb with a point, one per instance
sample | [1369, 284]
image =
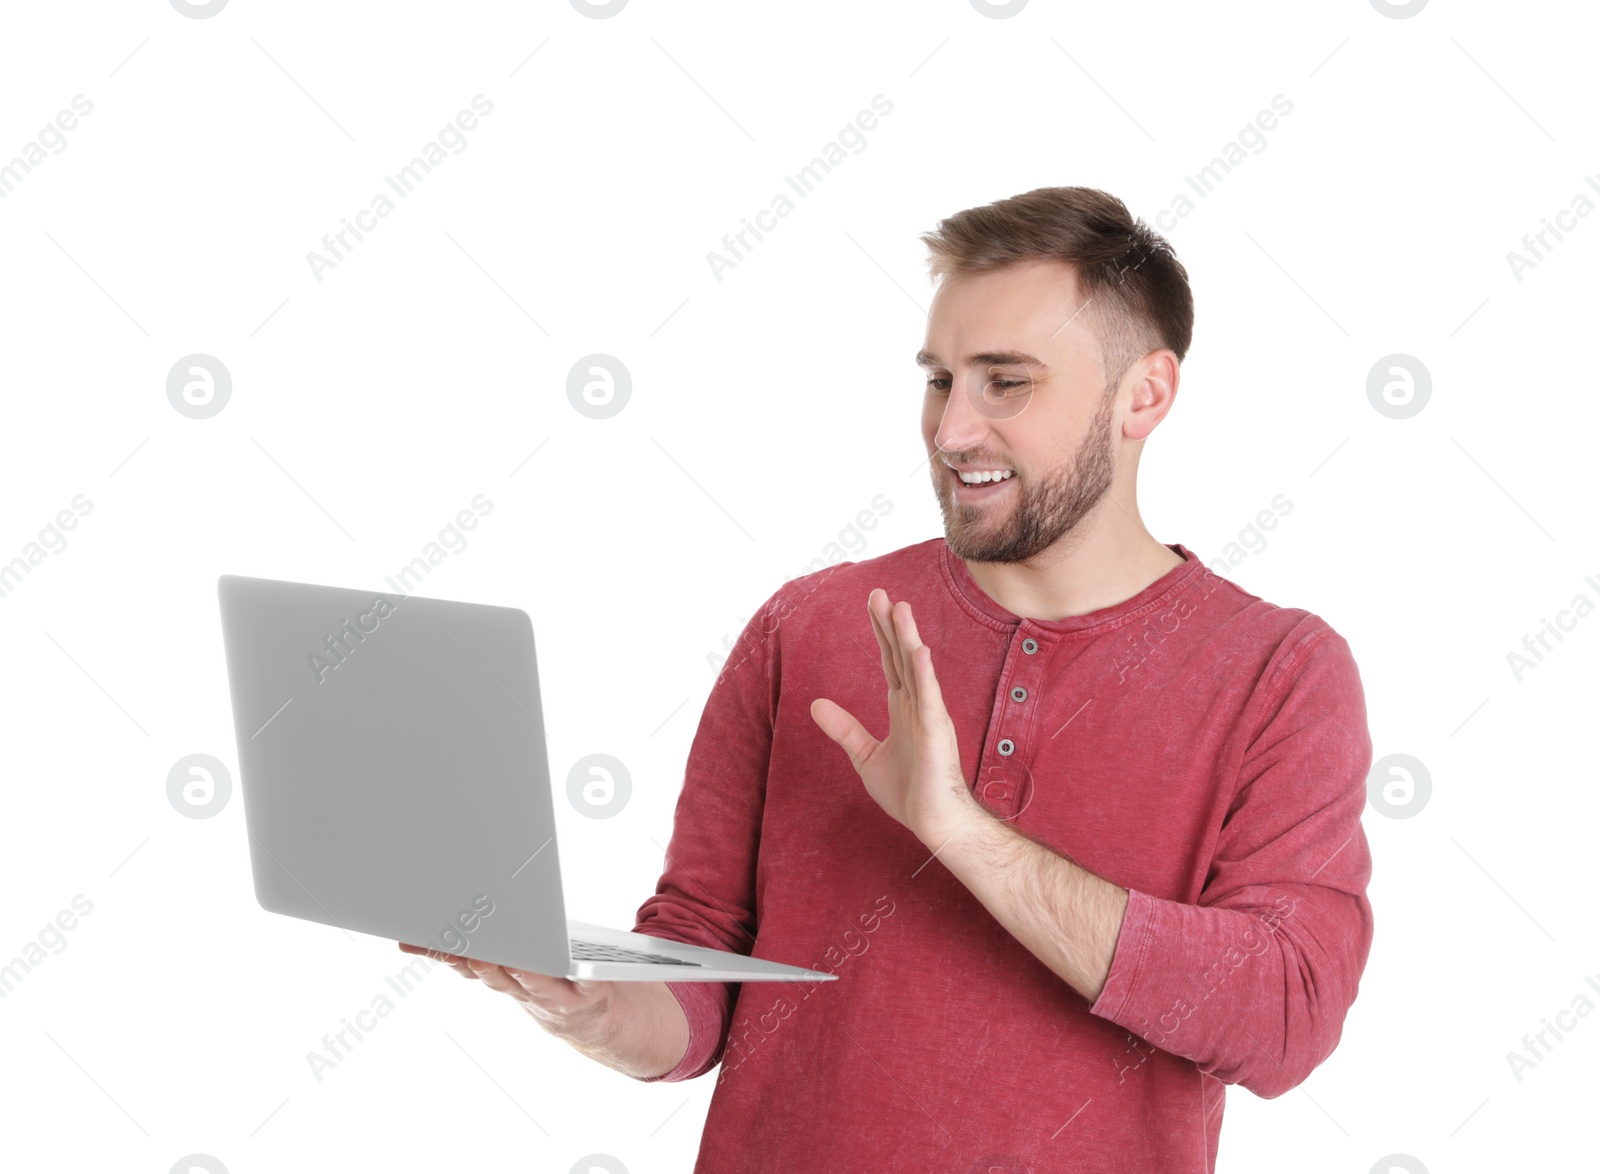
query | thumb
[845, 730]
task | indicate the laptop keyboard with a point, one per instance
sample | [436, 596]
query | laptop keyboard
[595, 952]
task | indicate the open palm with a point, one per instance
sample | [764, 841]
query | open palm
[914, 773]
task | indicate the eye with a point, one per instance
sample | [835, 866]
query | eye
[940, 384]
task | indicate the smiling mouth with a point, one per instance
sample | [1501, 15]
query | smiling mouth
[966, 492]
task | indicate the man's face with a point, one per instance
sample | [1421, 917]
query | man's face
[987, 407]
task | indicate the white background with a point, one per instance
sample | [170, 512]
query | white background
[767, 410]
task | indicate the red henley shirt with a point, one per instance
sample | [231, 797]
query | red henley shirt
[1194, 744]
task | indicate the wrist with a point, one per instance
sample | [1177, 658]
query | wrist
[591, 1029]
[963, 815]
[644, 1032]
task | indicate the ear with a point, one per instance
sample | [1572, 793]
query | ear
[1155, 387]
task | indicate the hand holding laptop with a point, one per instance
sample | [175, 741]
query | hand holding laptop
[637, 1028]
[575, 1002]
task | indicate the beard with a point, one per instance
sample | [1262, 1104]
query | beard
[1046, 511]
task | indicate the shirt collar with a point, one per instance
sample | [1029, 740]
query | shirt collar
[973, 598]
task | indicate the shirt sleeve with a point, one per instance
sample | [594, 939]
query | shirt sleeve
[706, 895]
[1253, 982]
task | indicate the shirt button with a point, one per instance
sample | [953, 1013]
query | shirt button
[1030, 646]
[1019, 694]
[1006, 746]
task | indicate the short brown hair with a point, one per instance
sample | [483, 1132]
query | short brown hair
[1136, 289]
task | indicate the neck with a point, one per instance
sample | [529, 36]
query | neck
[1107, 558]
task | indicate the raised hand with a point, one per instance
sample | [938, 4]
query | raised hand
[914, 773]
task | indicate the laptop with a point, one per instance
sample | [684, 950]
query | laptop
[395, 781]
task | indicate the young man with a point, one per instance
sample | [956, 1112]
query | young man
[1107, 858]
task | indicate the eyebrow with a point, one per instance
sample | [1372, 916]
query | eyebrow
[987, 358]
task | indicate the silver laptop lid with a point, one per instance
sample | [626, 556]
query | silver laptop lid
[393, 767]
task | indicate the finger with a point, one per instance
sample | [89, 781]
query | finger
[930, 697]
[928, 685]
[911, 641]
[891, 641]
[903, 644]
[454, 961]
[845, 730]
[563, 994]
[884, 648]
[542, 985]
[496, 979]
[426, 952]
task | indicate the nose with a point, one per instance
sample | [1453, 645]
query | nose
[963, 425]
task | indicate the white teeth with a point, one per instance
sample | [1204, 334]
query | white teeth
[982, 478]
